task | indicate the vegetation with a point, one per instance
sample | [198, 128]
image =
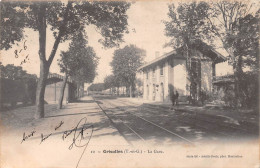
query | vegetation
[16, 85]
[79, 63]
[63, 19]
[185, 27]
[15, 72]
[111, 82]
[98, 87]
[232, 24]
[125, 63]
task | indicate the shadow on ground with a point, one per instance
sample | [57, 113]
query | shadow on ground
[190, 125]
[84, 101]
[21, 119]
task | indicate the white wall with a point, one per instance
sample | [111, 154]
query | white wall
[157, 80]
[223, 68]
[51, 96]
[145, 85]
[180, 76]
[166, 81]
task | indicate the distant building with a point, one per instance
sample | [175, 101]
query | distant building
[170, 73]
[53, 88]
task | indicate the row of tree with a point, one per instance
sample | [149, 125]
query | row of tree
[96, 87]
[231, 25]
[125, 63]
[79, 63]
[16, 85]
[15, 72]
[63, 19]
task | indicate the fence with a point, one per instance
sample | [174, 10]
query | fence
[14, 91]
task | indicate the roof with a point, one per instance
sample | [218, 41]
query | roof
[227, 79]
[163, 57]
[199, 45]
[54, 78]
[209, 51]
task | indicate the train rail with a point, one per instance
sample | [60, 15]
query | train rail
[134, 129]
[212, 128]
[109, 116]
[200, 118]
[186, 122]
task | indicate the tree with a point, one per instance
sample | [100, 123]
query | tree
[139, 84]
[185, 28]
[246, 53]
[79, 63]
[109, 82]
[112, 82]
[235, 24]
[125, 63]
[63, 19]
[15, 72]
[97, 87]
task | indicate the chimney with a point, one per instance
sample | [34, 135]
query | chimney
[157, 54]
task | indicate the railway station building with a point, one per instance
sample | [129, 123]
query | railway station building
[172, 72]
[53, 89]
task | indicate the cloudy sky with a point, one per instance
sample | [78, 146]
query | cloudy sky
[146, 32]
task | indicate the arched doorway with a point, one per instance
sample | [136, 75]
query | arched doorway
[147, 94]
[162, 92]
[154, 92]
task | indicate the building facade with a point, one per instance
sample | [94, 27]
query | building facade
[54, 86]
[175, 72]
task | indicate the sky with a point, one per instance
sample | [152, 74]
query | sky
[146, 31]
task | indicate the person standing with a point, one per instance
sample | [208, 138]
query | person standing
[173, 98]
[176, 97]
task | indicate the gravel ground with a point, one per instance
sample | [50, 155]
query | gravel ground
[58, 140]
[249, 115]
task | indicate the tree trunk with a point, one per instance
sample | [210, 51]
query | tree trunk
[44, 67]
[130, 91]
[62, 90]
[44, 71]
[236, 89]
[238, 75]
[77, 91]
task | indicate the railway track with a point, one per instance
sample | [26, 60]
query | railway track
[214, 129]
[138, 126]
[189, 123]
[208, 119]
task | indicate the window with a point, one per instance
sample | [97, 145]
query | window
[154, 72]
[161, 70]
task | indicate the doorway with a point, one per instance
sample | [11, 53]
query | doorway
[162, 92]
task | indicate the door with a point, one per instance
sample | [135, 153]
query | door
[154, 92]
[162, 92]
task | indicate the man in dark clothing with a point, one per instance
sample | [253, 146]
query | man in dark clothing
[189, 99]
[173, 98]
[203, 97]
[176, 97]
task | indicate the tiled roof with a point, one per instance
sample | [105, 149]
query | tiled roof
[199, 45]
[158, 59]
